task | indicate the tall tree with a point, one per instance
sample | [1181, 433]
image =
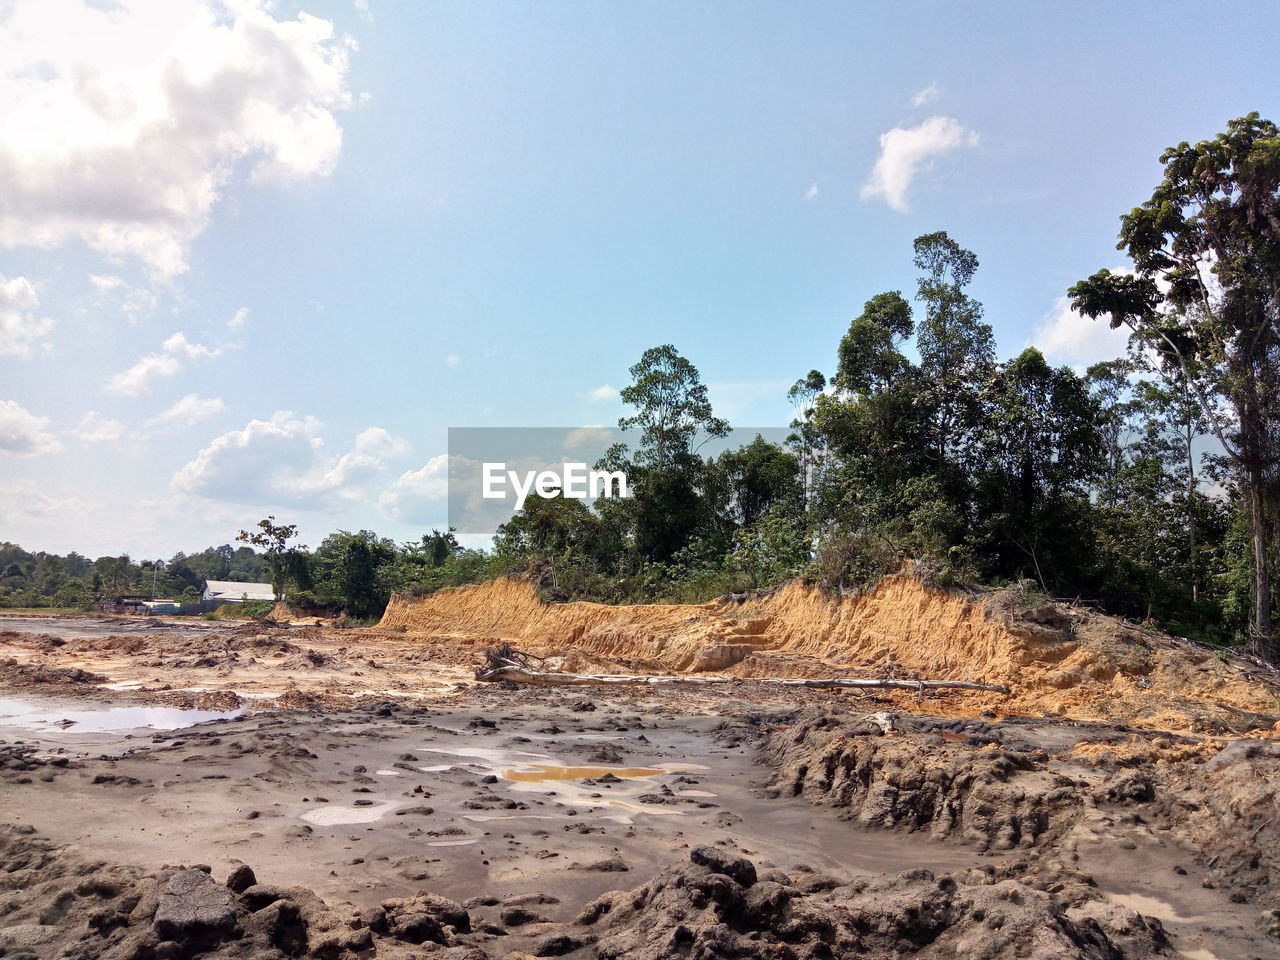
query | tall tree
[1205, 293]
[957, 348]
[281, 556]
[671, 407]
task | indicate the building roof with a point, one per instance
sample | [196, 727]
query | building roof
[235, 590]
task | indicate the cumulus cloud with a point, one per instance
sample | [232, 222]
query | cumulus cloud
[284, 460]
[95, 428]
[605, 393]
[173, 355]
[24, 500]
[23, 434]
[926, 96]
[811, 192]
[1065, 336]
[593, 436]
[188, 411]
[135, 303]
[418, 496]
[122, 123]
[904, 152]
[238, 319]
[19, 325]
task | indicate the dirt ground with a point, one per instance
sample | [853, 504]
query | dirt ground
[187, 788]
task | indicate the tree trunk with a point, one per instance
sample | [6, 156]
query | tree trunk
[1262, 636]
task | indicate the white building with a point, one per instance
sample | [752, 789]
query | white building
[217, 592]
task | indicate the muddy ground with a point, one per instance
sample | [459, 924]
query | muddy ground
[354, 793]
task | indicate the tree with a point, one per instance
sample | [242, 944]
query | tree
[1205, 294]
[672, 406]
[868, 359]
[1041, 450]
[280, 555]
[957, 349]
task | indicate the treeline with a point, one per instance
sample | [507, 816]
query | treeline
[348, 573]
[920, 444]
[74, 581]
[1149, 484]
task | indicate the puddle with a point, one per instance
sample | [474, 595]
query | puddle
[543, 773]
[332, 815]
[1151, 907]
[36, 715]
[389, 773]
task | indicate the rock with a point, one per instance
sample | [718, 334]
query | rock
[557, 946]
[721, 861]
[519, 916]
[423, 918]
[241, 879]
[191, 905]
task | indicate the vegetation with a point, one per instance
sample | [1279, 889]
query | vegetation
[1148, 484]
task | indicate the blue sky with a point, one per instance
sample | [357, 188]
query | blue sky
[258, 259]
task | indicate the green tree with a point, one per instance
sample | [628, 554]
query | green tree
[671, 407]
[280, 555]
[1205, 294]
[957, 348]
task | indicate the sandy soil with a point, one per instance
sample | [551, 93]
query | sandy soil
[367, 769]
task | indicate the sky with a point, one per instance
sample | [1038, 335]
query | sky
[256, 258]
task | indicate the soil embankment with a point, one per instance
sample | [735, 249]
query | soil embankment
[1057, 660]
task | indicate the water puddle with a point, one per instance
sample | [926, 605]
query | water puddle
[36, 715]
[1151, 907]
[333, 815]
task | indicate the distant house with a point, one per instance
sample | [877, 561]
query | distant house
[218, 592]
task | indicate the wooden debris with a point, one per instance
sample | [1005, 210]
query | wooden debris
[510, 664]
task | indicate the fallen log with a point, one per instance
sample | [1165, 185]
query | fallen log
[524, 674]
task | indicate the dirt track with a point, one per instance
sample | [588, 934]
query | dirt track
[367, 769]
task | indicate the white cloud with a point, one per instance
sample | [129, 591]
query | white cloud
[593, 436]
[19, 325]
[134, 302]
[417, 496]
[605, 393]
[122, 123]
[23, 434]
[174, 354]
[95, 428]
[238, 319]
[362, 7]
[188, 411]
[284, 460]
[453, 360]
[811, 192]
[926, 96]
[24, 500]
[904, 152]
[1065, 336]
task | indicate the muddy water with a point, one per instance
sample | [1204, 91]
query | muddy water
[361, 808]
[44, 716]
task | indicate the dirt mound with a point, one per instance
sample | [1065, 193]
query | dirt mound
[717, 907]
[18, 675]
[1058, 661]
[989, 795]
[714, 905]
